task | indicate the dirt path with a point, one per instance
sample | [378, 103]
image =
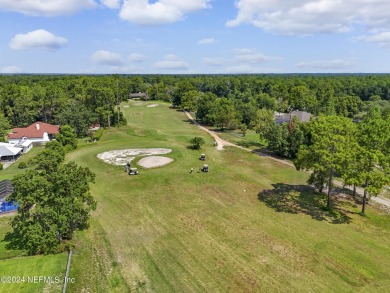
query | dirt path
[221, 143]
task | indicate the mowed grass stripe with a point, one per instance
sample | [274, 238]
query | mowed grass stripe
[171, 231]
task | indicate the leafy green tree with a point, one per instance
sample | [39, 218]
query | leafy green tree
[197, 142]
[77, 116]
[49, 159]
[277, 137]
[224, 114]
[204, 107]
[332, 139]
[266, 101]
[189, 100]
[295, 138]
[302, 98]
[52, 206]
[369, 169]
[243, 129]
[263, 122]
[4, 127]
[67, 137]
[181, 89]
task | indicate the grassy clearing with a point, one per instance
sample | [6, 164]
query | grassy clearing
[251, 140]
[248, 225]
[13, 169]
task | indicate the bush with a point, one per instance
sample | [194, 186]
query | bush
[1, 166]
[197, 142]
[97, 134]
[22, 165]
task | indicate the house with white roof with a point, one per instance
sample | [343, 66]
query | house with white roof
[25, 144]
[9, 152]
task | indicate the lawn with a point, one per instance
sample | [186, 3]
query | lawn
[13, 169]
[249, 225]
[26, 270]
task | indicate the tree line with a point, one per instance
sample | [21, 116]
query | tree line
[79, 100]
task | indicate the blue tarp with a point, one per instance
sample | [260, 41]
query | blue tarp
[8, 207]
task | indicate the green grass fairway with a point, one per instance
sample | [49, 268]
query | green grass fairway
[249, 225]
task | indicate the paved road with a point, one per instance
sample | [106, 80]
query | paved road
[221, 143]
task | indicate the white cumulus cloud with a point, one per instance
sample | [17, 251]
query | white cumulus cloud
[136, 57]
[333, 65]
[171, 62]
[382, 39]
[243, 60]
[302, 17]
[207, 41]
[252, 56]
[103, 57]
[113, 4]
[38, 39]
[11, 69]
[159, 12]
[46, 7]
[214, 61]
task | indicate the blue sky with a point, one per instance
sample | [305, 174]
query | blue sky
[194, 36]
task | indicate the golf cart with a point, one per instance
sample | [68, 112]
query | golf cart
[133, 171]
[205, 168]
[203, 157]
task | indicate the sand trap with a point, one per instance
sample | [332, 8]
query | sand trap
[154, 161]
[127, 106]
[152, 105]
[121, 157]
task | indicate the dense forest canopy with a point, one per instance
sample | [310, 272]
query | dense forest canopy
[80, 100]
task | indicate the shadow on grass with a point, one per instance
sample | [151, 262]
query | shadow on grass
[13, 241]
[188, 121]
[250, 143]
[297, 199]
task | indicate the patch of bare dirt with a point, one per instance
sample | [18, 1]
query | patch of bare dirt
[154, 161]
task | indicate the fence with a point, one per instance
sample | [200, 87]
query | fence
[6, 189]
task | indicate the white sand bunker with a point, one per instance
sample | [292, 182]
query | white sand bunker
[121, 157]
[154, 161]
[152, 105]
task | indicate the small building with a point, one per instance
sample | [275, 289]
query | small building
[25, 144]
[39, 133]
[139, 96]
[9, 152]
[301, 115]
[281, 118]
[94, 127]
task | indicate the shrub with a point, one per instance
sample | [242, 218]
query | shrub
[1, 166]
[197, 142]
[22, 165]
[97, 134]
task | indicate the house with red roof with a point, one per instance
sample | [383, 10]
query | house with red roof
[39, 133]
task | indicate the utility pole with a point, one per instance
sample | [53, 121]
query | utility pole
[117, 99]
